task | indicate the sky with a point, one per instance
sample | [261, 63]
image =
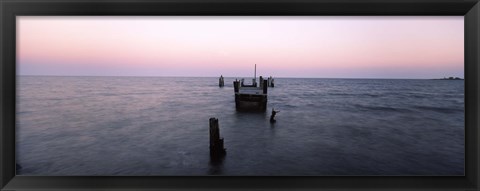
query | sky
[201, 46]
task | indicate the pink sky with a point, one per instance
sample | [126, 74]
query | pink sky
[313, 46]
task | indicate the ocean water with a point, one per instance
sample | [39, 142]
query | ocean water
[160, 126]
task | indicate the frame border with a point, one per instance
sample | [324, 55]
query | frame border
[9, 9]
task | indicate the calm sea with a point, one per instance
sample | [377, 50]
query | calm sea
[160, 126]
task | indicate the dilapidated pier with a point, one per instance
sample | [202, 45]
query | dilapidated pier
[248, 98]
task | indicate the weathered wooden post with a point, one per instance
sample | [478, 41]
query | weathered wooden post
[216, 143]
[236, 86]
[265, 86]
[261, 81]
[221, 82]
[272, 117]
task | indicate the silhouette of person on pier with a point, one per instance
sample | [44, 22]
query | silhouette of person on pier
[272, 117]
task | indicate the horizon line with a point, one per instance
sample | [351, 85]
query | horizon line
[147, 76]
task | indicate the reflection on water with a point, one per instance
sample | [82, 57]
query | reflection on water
[216, 166]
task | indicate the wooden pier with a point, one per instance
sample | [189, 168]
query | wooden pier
[252, 97]
[248, 98]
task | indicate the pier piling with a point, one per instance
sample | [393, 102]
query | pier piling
[261, 81]
[236, 86]
[272, 117]
[217, 149]
[265, 86]
[221, 82]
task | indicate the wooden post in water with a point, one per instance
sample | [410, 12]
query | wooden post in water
[221, 82]
[236, 86]
[216, 143]
[265, 86]
[261, 81]
[255, 73]
[272, 117]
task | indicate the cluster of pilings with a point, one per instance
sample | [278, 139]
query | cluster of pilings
[217, 150]
[270, 82]
[263, 85]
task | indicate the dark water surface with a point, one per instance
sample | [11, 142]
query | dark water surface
[159, 126]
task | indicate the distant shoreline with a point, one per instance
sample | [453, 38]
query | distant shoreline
[449, 78]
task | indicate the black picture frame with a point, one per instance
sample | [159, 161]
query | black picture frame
[9, 9]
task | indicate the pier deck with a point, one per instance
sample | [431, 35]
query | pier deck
[251, 90]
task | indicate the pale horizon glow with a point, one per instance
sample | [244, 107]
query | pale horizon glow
[301, 46]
